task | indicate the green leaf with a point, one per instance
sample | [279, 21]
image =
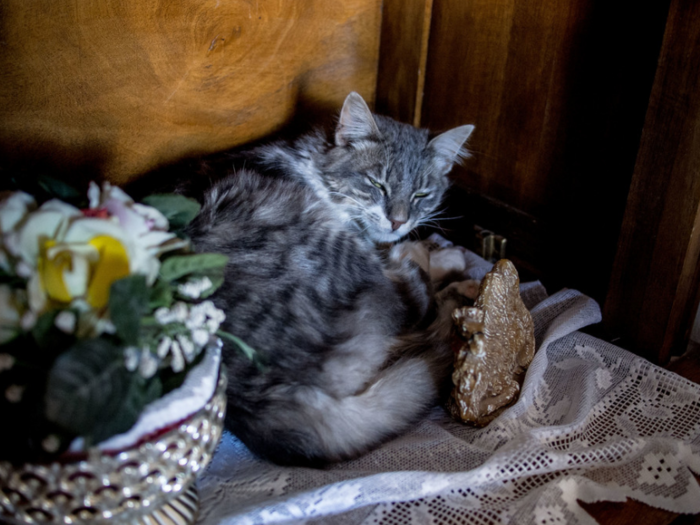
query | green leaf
[247, 350]
[44, 330]
[141, 392]
[178, 266]
[92, 394]
[58, 189]
[178, 209]
[128, 300]
[216, 281]
[161, 295]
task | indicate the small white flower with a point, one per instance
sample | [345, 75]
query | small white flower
[23, 270]
[14, 393]
[213, 312]
[200, 337]
[6, 362]
[66, 321]
[93, 194]
[178, 360]
[213, 326]
[197, 318]
[179, 312]
[206, 307]
[51, 443]
[204, 284]
[162, 315]
[188, 289]
[106, 326]
[148, 365]
[195, 287]
[28, 320]
[187, 346]
[131, 358]
[164, 346]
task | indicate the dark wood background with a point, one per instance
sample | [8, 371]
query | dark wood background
[585, 149]
[119, 88]
[580, 108]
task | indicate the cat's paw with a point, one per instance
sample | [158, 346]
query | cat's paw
[455, 295]
[468, 289]
[412, 251]
[447, 264]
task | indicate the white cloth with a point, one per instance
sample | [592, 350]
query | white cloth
[593, 422]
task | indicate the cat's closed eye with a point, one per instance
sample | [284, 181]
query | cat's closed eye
[420, 195]
[377, 184]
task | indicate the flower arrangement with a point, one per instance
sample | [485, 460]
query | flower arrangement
[103, 309]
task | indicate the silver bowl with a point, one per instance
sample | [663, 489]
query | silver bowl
[149, 483]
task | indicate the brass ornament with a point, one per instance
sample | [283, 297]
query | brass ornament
[494, 345]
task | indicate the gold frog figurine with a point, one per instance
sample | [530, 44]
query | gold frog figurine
[494, 346]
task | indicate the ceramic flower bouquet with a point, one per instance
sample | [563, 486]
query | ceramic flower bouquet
[103, 309]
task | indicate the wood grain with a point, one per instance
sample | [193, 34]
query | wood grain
[630, 512]
[122, 87]
[558, 93]
[403, 57]
[653, 289]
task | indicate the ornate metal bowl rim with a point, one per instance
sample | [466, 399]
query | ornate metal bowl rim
[153, 477]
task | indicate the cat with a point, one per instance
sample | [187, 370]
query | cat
[348, 356]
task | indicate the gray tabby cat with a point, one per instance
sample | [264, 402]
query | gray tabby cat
[343, 366]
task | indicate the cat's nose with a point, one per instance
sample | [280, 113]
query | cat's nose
[395, 225]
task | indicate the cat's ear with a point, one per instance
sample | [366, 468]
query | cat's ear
[356, 122]
[450, 145]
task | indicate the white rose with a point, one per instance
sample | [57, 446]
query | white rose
[85, 261]
[14, 207]
[144, 223]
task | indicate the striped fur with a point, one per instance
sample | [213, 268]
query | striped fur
[343, 366]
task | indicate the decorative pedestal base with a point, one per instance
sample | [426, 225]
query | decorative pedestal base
[150, 483]
[181, 510]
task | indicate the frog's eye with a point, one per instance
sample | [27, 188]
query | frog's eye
[420, 195]
[376, 184]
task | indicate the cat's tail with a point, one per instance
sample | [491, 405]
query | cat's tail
[307, 425]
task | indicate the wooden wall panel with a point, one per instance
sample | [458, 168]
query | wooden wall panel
[117, 87]
[558, 92]
[654, 286]
[403, 58]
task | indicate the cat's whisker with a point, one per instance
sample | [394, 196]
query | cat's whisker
[438, 212]
[362, 206]
[435, 219]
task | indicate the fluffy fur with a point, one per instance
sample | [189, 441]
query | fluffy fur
[343, 366]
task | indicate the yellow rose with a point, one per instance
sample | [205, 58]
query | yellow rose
[69, 271]
[78, 260]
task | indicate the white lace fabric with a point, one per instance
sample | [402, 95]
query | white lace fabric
[593, 423]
